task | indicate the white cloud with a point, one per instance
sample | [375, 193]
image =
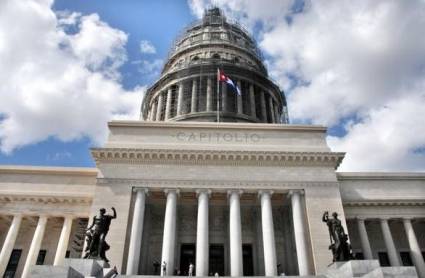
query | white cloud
[55, 84]
[361, 60]
[146, 47]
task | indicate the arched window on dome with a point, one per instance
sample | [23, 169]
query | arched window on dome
[195, 58]
[216, 56]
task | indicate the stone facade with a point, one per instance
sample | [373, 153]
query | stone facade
[291, 163]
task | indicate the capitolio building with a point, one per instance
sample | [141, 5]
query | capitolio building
[213, 175]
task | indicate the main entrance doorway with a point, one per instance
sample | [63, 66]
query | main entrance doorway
[187, 256]
[216, 259]
[248, 263]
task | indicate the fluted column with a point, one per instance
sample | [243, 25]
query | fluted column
[169, 237]
[235, 232]
[168, 104]
[35, 245]
[224, 96]
[299, 232]
[389, 243]
[415, 250]
[202, 243]
[9, 243]
[209, 94]
[271, 110]
[136, 232]
[263, 107]
[180, 99]
[159, 106]
[239, 100]
[269, 245]
[364, 239]
[63, 240]
[194, 100]
[252, 100]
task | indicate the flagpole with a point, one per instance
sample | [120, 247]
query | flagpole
[218, 96]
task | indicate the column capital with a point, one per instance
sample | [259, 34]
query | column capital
[265, 191]
[199, 191]
[238, 191]
[169, 190]
[407, 219]
[361, 218]
[295, 191]
[143, 189]
[385, 218]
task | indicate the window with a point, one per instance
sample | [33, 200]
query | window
[383, 259]
[13, 263]
[41, 257]
[68, 252]
[406, 260]
[216, 56]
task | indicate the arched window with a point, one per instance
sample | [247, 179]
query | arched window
[216, 56]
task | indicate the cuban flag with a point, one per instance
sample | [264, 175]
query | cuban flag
[224, 78]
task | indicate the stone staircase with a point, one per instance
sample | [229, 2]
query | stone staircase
[74, 268]
[368, 269]
[85, 268]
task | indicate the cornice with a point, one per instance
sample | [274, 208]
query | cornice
[216, 157]
[45, 199]
[346, 176]
[220, 126]
[386, 203]
[42, 170]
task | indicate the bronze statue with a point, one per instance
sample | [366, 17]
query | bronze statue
[340, 247]
[96, 245]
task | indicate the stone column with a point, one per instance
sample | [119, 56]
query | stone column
[63, 240]
[136, 232]
[269, 245]
[271, 110]
[153, 112]
[202, 243]
[169, 238]
[389, 243]
[180, 99]
[239, 100]
[263, 107]
[235, 231]
[364, 239]
[168, 104]
[224, 96]
[252, 100]
[299, 232]
[209, 94]
[415, 250]
[9, 243]
[194, 101]
[159, 106]
[35, 245]
[276, 112]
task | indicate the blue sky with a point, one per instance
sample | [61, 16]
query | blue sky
[156, 21]
[69, 67]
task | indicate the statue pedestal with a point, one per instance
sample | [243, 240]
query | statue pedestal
[73, 268]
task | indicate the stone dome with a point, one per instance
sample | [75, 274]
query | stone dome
[187, 89]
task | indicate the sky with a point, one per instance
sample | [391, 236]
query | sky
[69, 67]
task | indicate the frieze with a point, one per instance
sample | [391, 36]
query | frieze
[223, 185]
[216, 157]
